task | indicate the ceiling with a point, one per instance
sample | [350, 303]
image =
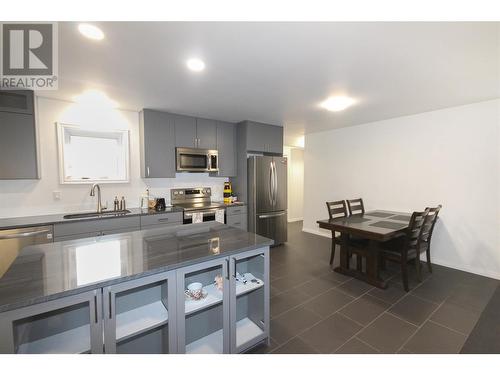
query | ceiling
[279, 72]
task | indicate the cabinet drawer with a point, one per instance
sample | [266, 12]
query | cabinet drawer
[98, 225]
[236, 210]
[238, 221]
[161, 219]
[160, 226]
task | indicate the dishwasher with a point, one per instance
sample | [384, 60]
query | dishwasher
[12, 241]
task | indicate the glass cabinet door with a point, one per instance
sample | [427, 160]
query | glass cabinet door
[249, 299]
[69, 325]
[204, 316]
[139, 316]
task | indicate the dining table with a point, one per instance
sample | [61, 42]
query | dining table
[375, 227]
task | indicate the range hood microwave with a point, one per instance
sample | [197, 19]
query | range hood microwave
[196, 160]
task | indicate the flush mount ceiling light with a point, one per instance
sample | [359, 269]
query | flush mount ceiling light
[90, 31]
[196, 65]
[337, 103]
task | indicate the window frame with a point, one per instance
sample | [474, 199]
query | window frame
[61, 133]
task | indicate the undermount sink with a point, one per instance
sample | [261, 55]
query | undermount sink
[82, 215]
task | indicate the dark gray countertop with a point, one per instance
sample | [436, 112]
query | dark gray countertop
[32, 221]
[49, 271]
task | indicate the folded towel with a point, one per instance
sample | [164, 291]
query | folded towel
[219, 216]
[197, 217]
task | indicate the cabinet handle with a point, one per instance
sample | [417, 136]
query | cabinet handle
[227, 269]
[147, 171]
[95, 308]
[164, 219]
[110, 306]
[237, 224]
[234, 267]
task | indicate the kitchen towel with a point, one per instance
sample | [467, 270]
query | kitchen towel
[197, 217]
[219, 216]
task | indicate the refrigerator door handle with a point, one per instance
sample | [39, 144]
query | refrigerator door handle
[275, 184]
[267, 216]
[271, 183]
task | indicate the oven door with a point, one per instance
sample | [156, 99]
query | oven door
[208, 215]
[192, 160]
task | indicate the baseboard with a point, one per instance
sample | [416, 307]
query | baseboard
[292, 220]
[317, 232]
[494, 275]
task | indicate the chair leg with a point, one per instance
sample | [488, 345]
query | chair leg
[428, 253]
[404, 273]
[332, 255]
[417, 268]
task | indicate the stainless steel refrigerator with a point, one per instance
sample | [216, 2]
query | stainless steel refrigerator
[267, 197]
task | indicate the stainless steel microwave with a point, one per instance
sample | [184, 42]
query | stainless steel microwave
[196, 160]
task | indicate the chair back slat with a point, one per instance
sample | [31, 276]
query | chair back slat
[336, 209]
[414, 231]
[356, 206]
[430, 222]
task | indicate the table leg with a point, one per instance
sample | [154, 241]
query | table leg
[344, 253]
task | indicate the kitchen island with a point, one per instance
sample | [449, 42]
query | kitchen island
[126, 293]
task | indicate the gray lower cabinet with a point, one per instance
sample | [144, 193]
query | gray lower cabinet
[236, 216]
[68, 325]
[249, 299]
[140, 315]
[91, 228]
[203, 325]
[161, 220]
[157, 144]
[153, 314]
[226, 145]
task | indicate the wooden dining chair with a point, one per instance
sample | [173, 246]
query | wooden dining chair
[427, 230]
[406, 248]
[336, 209]
[356, 206]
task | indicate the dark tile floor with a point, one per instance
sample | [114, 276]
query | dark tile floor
[316, 310]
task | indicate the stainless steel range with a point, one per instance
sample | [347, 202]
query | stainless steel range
[195, 200]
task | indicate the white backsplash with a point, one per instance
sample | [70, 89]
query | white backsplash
[35, 197]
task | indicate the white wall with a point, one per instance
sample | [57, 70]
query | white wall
[33, 197]
[449, 157]
[295, 186]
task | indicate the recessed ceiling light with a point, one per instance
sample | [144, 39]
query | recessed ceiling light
[337, 103]
[196, 65]
[90, 31]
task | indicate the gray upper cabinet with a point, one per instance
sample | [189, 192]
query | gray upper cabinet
[19, 101]
[195, 132]
[185, 131]
[206, 133]
[226, 144]
[264, 138]
[157, 132]
[18, 146]
[275, 139]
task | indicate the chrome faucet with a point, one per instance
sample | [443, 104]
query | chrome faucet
[100, 208]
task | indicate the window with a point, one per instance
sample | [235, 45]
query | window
[88, 155]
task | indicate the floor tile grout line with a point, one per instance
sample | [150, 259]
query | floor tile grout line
[311, 298]
[451, 329]
[315, 324]
[379, 315]
[400, 318]
[418, 329]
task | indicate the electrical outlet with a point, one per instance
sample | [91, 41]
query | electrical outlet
[56, 195]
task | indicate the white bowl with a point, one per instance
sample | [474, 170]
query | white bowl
[194, 287]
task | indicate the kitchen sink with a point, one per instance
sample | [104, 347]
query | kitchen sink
[82, 215]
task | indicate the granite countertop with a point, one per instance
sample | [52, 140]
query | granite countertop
[49, 271]
[32, 221]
